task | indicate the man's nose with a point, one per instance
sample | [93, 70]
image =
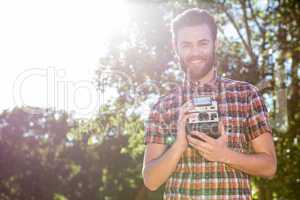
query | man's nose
[196, 50]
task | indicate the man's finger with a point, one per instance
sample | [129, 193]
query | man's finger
[187, 104]
[199, 148]
[193, 140]
[203, 136]
[184, 109]
[201, 145]
[223, 137]
[221, 128]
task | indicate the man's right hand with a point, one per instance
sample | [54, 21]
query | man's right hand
[160, 161]
[181, 140]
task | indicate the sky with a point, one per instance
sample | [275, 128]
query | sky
[49, 51]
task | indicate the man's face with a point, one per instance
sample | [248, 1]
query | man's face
[195, 47]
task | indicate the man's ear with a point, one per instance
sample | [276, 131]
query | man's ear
[217, 44]
[175, 49]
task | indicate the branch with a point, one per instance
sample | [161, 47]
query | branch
[262, 32]
[260, 28]
[245, 19]
[247, 47]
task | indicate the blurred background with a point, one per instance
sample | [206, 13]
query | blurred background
[78, 79]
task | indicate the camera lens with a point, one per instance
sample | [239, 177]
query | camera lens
[203, 116]
[213, 116]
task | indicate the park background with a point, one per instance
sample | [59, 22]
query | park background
[94, 152]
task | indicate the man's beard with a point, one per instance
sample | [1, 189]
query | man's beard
[195, 73]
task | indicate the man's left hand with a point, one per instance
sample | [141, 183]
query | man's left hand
[210, 148]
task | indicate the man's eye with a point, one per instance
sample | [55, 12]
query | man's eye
[203, 44]
[185, 46]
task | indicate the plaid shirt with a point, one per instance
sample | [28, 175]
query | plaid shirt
[244, 115]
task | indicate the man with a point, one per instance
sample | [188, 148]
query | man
[195, 165]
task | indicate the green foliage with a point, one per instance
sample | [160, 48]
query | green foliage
[43, 157]
[49, 155]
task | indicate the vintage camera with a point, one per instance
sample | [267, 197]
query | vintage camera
[204, 116]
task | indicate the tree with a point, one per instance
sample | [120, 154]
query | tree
[48, 155]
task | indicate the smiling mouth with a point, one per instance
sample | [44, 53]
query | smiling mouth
[196, 61]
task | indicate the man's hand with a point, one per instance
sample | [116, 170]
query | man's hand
[181, 139]
[261, 163]
[210, 148]
[159, 161]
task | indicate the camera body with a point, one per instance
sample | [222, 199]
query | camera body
[204, 116]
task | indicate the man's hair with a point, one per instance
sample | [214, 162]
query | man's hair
[193, 17]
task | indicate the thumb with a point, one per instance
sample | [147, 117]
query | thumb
[222, 131]
[221, 128]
